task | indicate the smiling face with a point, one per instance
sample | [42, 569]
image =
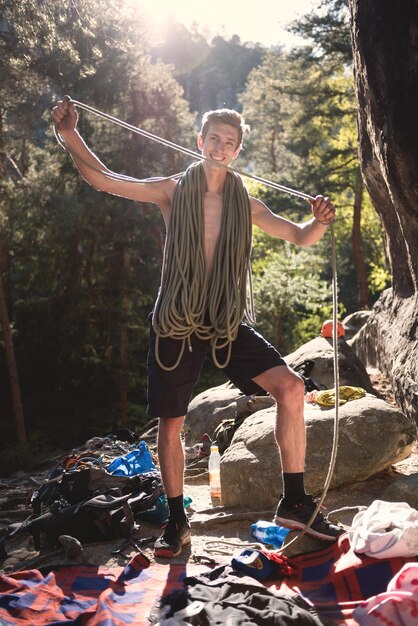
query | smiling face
[221, 143]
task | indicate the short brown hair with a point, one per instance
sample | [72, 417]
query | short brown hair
[225, 116]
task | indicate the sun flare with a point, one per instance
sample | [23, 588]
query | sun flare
[265, 25]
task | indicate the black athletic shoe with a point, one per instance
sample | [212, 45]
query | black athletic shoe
[297, 516]
[175, 536]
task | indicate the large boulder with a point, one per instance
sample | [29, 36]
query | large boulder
[224, 403]
[372, 436]
[387, 130]
[320, 350]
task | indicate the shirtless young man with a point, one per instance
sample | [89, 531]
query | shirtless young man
[253, 363]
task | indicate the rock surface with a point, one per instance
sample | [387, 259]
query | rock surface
[389, 343]
[320, 350]
[225, 402]
[405, 489]
[372, 436]
[353, 322]
[209, 524]
[389, 167]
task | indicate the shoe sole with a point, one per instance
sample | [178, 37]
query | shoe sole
[169, 554]
[295, 525]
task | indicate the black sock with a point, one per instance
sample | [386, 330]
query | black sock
[293, 487]
[176, 508]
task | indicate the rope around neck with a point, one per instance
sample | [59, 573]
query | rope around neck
[288, 191]
[190, 301]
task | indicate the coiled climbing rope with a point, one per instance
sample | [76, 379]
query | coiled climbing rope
[192, 300]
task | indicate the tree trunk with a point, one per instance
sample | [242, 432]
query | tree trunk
[356, 244]
[12, 369]
[5, 306]
[124, 340]
[385, 50]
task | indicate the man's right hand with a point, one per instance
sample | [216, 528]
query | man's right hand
[65, 115]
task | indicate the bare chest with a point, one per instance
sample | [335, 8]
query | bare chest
[212, 224]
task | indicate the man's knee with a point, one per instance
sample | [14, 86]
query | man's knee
[289, 386]
[170, 427]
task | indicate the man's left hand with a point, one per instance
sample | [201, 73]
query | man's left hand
[323, 210]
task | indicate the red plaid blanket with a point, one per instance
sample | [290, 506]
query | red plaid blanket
[337, 579]
[88, 595]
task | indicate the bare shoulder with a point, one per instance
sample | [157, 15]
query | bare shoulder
[158, 190]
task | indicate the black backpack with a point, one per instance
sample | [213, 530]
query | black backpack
[88, 504]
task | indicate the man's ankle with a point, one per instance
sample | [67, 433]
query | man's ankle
[176, 509]
[293, 487]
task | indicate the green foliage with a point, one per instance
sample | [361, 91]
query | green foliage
[327, 32]
[212, 74]
[302, 111]
[81, 269]
[94, 272]
[292, 300]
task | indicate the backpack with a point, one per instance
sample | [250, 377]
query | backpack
[87, 503]
[304, 369]
[225, 431]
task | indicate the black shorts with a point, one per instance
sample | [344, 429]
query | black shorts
[169, 392]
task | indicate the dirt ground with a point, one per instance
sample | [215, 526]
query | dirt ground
[218, 532]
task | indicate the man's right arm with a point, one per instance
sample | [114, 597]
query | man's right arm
[96, 173]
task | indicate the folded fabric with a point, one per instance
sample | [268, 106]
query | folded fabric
[326, 397]
[385, 530]
[398, 606]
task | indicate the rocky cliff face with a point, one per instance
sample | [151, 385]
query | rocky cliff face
[386, 74]
[389, 342]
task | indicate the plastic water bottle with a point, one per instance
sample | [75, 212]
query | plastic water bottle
[266, 532]
[215, 473]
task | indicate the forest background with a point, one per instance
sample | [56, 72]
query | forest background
[80, 270]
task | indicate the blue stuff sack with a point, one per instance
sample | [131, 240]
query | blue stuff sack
[138, 461]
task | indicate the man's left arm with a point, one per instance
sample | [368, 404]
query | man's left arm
[303, 234]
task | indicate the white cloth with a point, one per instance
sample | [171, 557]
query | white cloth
[385, 530]
[398, 606]
[178, 618]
